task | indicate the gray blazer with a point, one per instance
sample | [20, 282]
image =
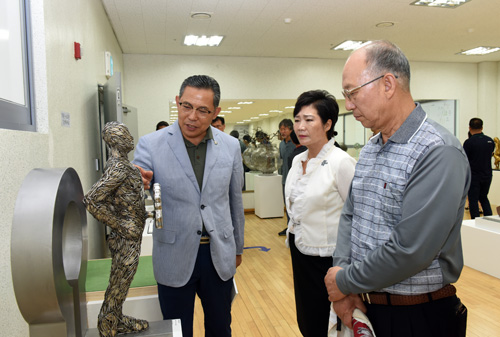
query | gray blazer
[218, 205]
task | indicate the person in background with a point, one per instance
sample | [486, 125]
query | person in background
[200, 245]
[236, 135]
[247, 140]
[479, 149]
[299, 148]
[219, 123]
[286, 148]
[399, 246]
[243, 147]
[315, 190]
[161, 125]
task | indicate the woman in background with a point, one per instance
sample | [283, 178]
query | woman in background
[299, 148]
[316, 187]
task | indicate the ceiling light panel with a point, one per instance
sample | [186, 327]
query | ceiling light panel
[440, 3]
[480, 51]
[350, 45]
[203, 41]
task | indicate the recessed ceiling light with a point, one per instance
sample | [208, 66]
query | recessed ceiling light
[263, 114]
[201, 15]
[226, 111]
[234, 107]
[275, 111]
[385, 24]
[290, 107]
[350, 45]
[439, 3]
[245, 102]
[203, 41]
[480, 51]
[254, 117]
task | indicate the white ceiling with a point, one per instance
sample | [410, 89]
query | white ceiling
[257, 27]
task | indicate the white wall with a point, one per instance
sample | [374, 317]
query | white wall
[152, 80]
[63, 84]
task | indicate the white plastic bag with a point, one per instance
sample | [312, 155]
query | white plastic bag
[362, 326]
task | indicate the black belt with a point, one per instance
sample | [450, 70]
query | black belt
[391, 299]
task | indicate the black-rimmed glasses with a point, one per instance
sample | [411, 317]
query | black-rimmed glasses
[187, 108]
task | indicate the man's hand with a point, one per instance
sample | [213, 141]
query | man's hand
[334, 293]
[239, 258]
[146, 177]
[345, 307]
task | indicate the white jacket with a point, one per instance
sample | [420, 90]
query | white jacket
[314, 200]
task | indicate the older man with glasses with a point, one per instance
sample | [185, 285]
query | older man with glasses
[399, 248]
[200, 245]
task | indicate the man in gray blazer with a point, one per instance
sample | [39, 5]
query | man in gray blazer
[200, 172]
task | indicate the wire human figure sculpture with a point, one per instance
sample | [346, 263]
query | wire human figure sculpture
[117, 200]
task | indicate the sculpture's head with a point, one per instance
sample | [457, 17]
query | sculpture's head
[117, 136]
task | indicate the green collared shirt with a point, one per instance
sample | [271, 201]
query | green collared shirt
[197, 155]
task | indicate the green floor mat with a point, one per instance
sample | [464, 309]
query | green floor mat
[98, 274]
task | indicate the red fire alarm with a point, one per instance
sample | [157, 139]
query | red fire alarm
[78, 54]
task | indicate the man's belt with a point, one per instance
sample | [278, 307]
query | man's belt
[391, 299]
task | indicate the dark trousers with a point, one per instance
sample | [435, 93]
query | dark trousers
[214, 293]
[441, 318]
[478, 191]
[311, 297]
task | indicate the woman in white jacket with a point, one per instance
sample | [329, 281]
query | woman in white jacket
[316, 187]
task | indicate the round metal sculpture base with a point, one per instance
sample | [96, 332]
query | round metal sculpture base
[49, 253]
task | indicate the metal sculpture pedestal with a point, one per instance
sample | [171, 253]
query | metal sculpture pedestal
[49, 253]
[49, 257]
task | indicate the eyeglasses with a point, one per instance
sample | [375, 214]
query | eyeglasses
[348, 93]
[187, 108]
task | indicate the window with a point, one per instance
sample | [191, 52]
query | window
[16, 85]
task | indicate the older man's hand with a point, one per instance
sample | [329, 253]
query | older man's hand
[334, 293]
[345, 307]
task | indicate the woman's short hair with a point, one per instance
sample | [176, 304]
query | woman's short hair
[325, 104]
